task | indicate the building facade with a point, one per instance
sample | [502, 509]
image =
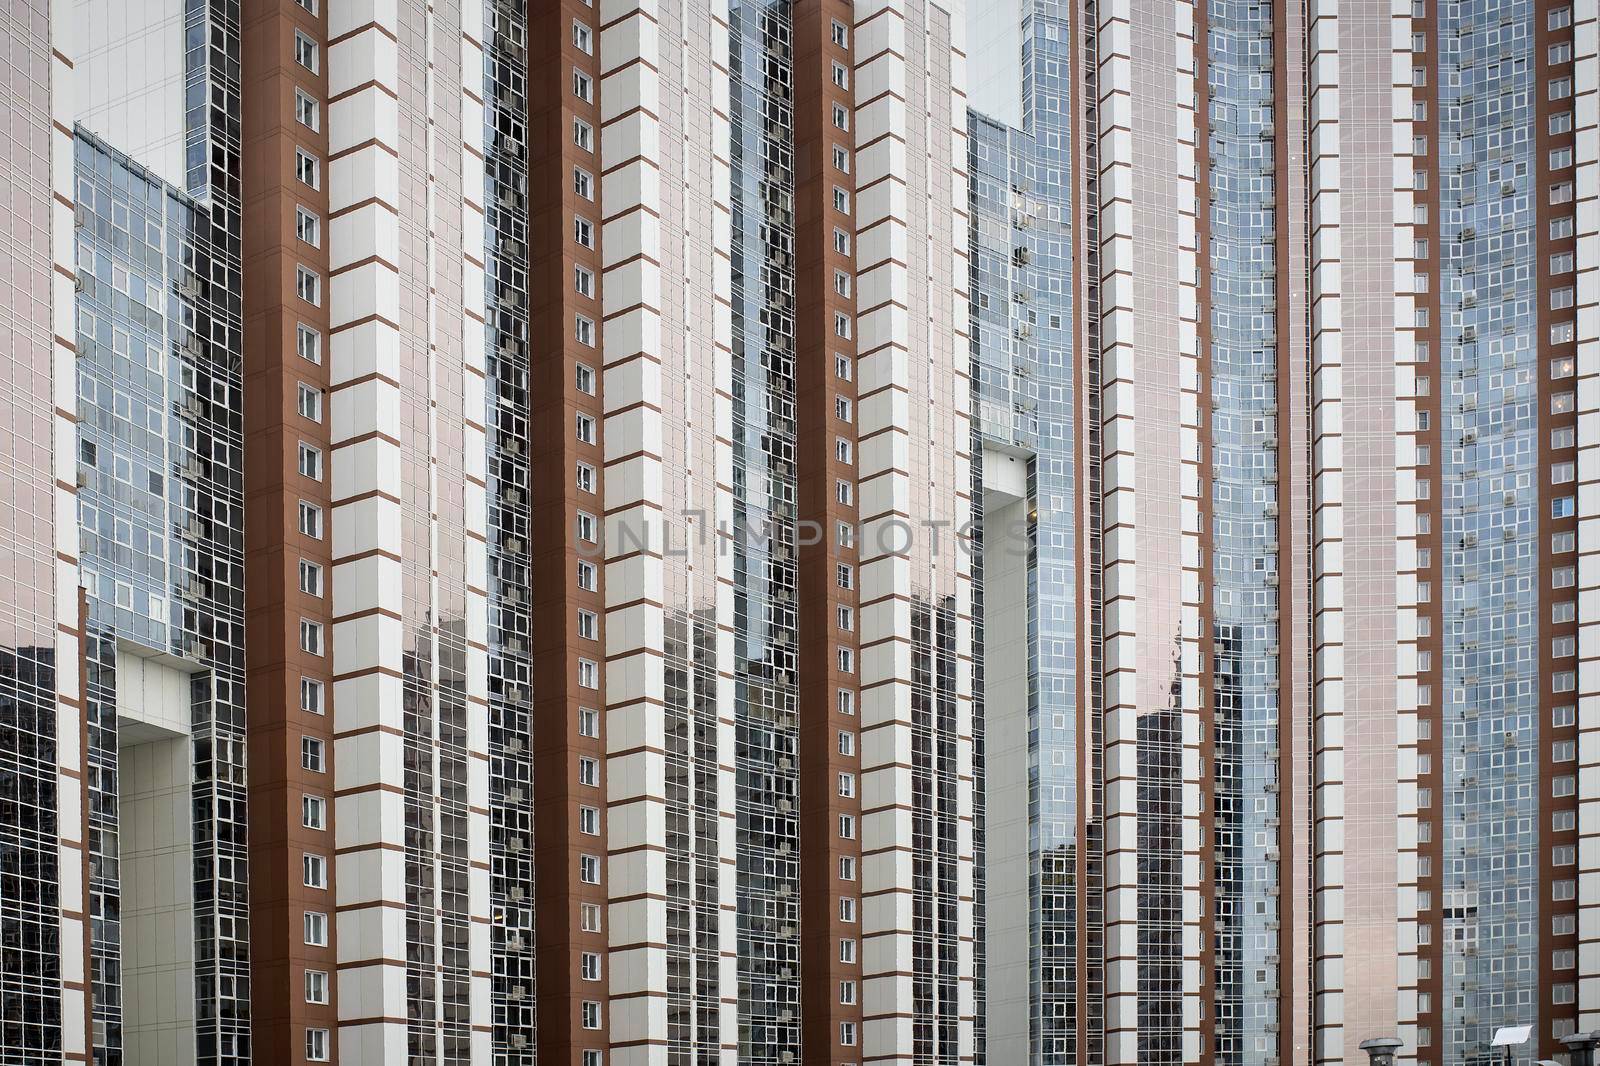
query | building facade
[1332, 324]
[650, 534]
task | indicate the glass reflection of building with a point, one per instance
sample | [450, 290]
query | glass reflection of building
[161, 524]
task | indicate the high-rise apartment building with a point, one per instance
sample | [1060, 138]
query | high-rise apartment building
[622, 533]
[447, 384]
[1314, 407]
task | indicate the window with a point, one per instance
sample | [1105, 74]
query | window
[310, 637]
[842, 409]
[307, 111]
[583, 281]
[583, 378]
[589, 869]
[845, 618]
[1563, 366]
[841, 367]
[1563, 473]
[316, 1045]
[841, 325]
[311, 754]
[844, 576]
[589, 966]
[589, 821]
[307, 226]
[585, 477]
[583, 232]
[587, 573]
[841, 200]
[1559, 19]
[1561, 192]
[847, 702]
[311, 696]
[1563, 924]
[583, 135]
[847, 785]
[1563, 403]
[847, 660]
[847, 993]
[1563, 542]
[586, 428]
[591, 1014]
[583, 183]
[1563, 821]
[316, 929]
[307, 168]
[1563, 507]
[1563, 717]
[847, 868]
[841, 159]
[847, 950]
[313, 812]
[589, 917]
[305, 51]
[583, 330]
[841, 285]
[588, 673]
[588, 771]
[310, 462]
[308, 285]
[309, 5]
[588, 722]
[1561, 263]
[841, 117]
[593, 1057]
[583, 38]
[1564, 785]
[588, 625]
[1564, 437]
[588, 527]
[583, 86]
[314, 870]
[309, 402]
[847, 1032]
[847, 742]
[308, 343]
[841, 76]
[1560, 122]
[1561, 228]
[841, 36]
[1563, 750]
[310, 578]
[1560, 890]
[1563, 577]
[316, 986]
[1560, 89]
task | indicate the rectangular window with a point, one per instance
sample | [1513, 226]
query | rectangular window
[583, 232]
[308, 285]
[594, 1057]
[310, 462]
[847, 785]
[588, 673]
[589, 869]
[313, 812]
[583, 330]
[586, 576]
[847, 702]
[847, 660]
[310, 578]
[845, 618]
[841, 35]
[316, 929]
[309, 5]
[316, 986]
[841, 201]
[307, 168]
[310, 637]
[589, 917]
[588, 771]
[591, 1014]
[583, 379]
[589, 966]
[307, 111]
[583, 281]
[583, 135]
[847, 950]
[841, 159]
[586, 428]
[583, 183]
[307, 226]
[311, 696]
[588, 625]
[841, 117]
[311, 519]
[847, 868]
[1559, 89]
[588, 722]
[1561, 228]
[841, 367]
[589, 821]
[847, 993]
[308, 343]
[841, 325]
[841, 76]
[583, 86]
[842, 409]
[305, 51]
[316, 1045]
[847, 908]
[588, 527]
[314, 870]
[844, 576]
[847, 742]
[309, 402]
[585, 478]
[311, 754]
[583, 38]
[841, 285]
